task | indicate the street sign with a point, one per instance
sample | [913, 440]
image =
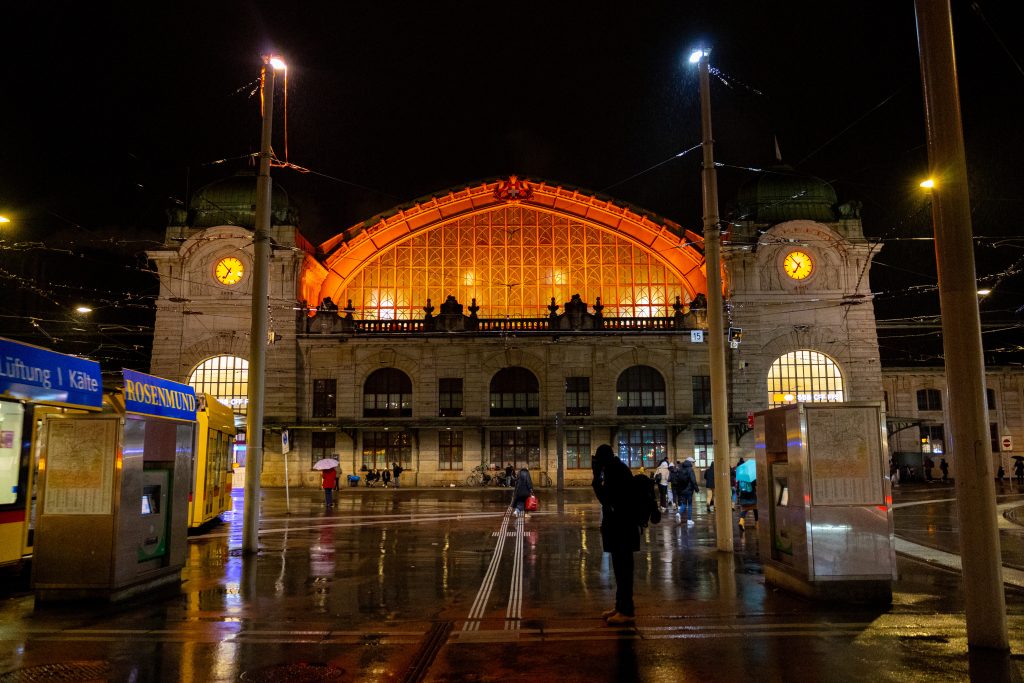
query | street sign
[696, 336]
[286, 445]
[1006, 443]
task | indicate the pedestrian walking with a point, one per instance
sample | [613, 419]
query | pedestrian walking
[929, 465]
[675, 481]
[689, 487]
[709, 485]
[329, 482]
[396, 470]
[661, 479]
[746, 499]
[621, 527]
[1018, 471]
[944, 468]
[522, 491]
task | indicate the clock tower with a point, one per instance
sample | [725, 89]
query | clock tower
[797, 266]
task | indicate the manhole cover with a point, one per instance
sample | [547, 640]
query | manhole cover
[65, 671]
[299, 673]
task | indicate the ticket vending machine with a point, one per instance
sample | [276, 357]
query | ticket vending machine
[823, 489]
[114, 492]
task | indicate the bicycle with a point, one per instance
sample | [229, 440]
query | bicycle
[479, 477]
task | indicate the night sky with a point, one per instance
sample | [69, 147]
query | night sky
[113, 113]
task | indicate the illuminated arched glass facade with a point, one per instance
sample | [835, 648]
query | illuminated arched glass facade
[513, 260]
[804, 376]
[226, 378]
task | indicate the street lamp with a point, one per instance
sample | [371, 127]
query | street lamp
[258, 329]
[4, 219]
[716, 336]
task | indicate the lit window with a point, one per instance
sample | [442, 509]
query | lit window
[512, 260]
[640, 390]
[515, 391]
[804, 377]
[387, 393]
[226, 378]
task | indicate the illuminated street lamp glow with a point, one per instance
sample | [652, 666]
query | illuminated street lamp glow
[83, 309]
[984, 292]
[697, 54]
[928, 184]
[278, 63]
[4, 219]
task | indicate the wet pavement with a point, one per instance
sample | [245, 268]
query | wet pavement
[446, 585]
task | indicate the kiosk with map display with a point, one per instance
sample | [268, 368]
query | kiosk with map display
[114, 493]
[824, 493]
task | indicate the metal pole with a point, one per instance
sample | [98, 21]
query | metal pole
[258, 330]
[560, 452]
[984, 600]
[716, 336]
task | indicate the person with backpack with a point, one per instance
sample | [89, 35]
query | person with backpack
[627, 504]
[746, 498]
[689, 487]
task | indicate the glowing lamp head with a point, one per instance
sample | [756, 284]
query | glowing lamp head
[697, 54]
[984, 292]
[4, 219]
[928, 183]
[277, 63]
[83, 309]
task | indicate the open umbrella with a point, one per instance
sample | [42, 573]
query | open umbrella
[325, 464]
[747, 471]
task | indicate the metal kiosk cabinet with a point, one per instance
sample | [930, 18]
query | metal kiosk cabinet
[114, 494]
[823, 491]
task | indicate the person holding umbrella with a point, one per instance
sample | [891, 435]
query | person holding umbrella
[746, 490]
[328, 478]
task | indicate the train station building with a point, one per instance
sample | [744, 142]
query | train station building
[511, 320]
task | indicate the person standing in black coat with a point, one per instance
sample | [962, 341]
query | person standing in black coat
[689, 487]
[620, 533]
[522, 491]
[709, 485]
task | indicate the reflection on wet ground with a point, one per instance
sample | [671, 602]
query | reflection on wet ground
[446, 585]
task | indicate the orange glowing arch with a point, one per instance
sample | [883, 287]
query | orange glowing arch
[522, 246]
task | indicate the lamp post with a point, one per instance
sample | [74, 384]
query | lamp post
[716, 336]
[984, 599]
[258, 329]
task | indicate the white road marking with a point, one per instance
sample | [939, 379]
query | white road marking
[484, 594]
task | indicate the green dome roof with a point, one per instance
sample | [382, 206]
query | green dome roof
[232, 201]
[781, 194]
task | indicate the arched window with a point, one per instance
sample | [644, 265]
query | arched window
[224, 377]
[387, 393]
[929, 399]
[806, 377]
[640, 390]
[515, 391]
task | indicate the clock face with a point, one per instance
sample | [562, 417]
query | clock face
[798, 265]
[229, 270]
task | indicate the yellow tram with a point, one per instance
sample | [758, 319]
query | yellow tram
[212, 466]
[33, 381]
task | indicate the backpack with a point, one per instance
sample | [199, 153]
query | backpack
[745, 487]
[644, 504]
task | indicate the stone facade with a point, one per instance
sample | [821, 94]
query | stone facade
[318, 337]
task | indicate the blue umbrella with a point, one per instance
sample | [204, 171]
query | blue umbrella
[747, 471]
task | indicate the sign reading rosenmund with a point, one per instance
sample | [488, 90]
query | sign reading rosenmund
[149, 395]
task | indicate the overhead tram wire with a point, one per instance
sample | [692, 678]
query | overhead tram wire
[651, 168]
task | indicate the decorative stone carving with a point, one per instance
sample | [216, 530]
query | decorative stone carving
[513, 190]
